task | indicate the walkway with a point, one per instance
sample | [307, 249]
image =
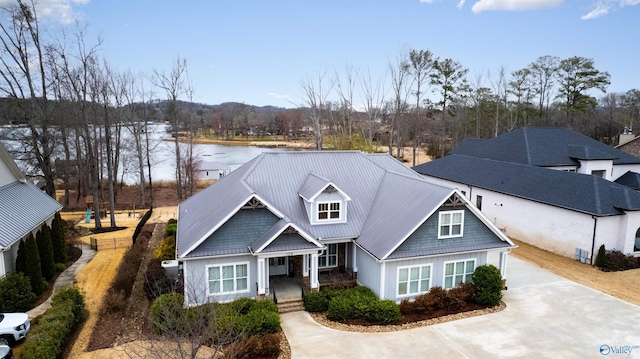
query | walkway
[547, 316]
[65, 279]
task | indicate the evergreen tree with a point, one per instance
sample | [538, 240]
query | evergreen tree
[601, 258]
[58, 239]
[45, 250]
[21, 258]
[32, 269]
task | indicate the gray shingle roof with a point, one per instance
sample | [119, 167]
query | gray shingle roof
[543, 147]
[389, 200]
[24, 208]
[557, 188]
[630, 179]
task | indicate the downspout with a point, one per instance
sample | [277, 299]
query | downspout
[470, 193]
[593, 241]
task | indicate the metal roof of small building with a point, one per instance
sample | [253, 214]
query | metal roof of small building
[213, 165]
[570, 190]
[24, 208]
[543, 147]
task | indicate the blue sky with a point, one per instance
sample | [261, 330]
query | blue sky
[258, 52]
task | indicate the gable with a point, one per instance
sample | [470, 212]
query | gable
[238, 233]
[424, 240]
[9, 171]
[290, 241]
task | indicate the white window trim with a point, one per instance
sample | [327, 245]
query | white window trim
[326, 255]
[235, 278]
[398, 295]
[440, 215]
[341, 214]
[444, 270]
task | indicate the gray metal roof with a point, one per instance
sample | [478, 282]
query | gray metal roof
[388, 200]
[543, 147]
[23, 208]
[570, 190]
[313, 185]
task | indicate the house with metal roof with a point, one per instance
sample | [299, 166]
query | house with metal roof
[23, 210]
[550, 187]
[302, 216]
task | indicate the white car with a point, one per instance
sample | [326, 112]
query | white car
[14, 326]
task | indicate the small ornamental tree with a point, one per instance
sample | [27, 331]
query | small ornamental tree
[45, 249]
[601, 258]
[32, 269]
[58, 240]
[21, 257]
[167, 249]
[489, 284]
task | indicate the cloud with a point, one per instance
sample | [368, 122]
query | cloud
[57, 10]
[460, 4]
[602, 7]
[513, 5]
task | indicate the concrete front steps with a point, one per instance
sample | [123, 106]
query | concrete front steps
[288, 306]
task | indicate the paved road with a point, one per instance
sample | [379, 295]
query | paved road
[547, 316]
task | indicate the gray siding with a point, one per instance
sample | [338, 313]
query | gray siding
[437, 270]
[195, 280]
[475, 235]
[368, 271]
[6, 176]
[240, 231]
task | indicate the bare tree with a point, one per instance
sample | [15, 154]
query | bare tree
[172, 83]
[373, 103]
[314, 103]
[543, 71]
[398, 105]
[500, 93]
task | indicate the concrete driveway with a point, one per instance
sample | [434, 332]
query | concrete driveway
[547, 316]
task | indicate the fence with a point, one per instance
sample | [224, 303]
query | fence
[141, 224]
[109, 243]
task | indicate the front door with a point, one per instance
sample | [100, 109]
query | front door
[278, 266]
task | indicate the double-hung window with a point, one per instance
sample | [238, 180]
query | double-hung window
[229, 278]
[329, 211]
[458, 272]
[414, 280]
[450, 224]
[329, 258]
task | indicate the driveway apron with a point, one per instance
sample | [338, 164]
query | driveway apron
[547, 316]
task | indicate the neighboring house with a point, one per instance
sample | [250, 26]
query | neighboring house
[550, 187]
[304, 214]
[23, 210]
[213, 170]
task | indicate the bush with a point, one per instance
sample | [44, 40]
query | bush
[15, 293]
[489, 284]
[166, 312]
[315, 302]
[58, 239]
[266, 305]
[261, 321]
[46, 339]
[383, 311]
[434, 299]
[601, 258]
[172, 228]
[21, 258]
[242, 306]
[456, 298]
[618, 261]
[60, 267]
[263, 346]
[167, 249]
[156, 281]
[352, 303]
[114, 301]
[128, 270]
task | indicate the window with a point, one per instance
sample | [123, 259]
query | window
[479, 202]
[328, 211]
[458, 272]
[228, 278]
[450, 224]
[329, 258]
[599, 173]
[414, 280]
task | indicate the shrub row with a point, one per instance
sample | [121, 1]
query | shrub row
[438, 298]
[46, 339]
[241, 318]
[354, 303]
[156, 281]
[614, 261]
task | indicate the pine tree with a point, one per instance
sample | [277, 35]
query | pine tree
[32, 269]
[58, 239]
[45, 250]
[601, 258]
[21, 258]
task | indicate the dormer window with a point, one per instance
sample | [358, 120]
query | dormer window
[329, 211]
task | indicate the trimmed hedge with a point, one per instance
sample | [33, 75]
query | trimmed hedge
[46, 339]
[489, 284]
[316, 302]
[15, 293]
[354, 303]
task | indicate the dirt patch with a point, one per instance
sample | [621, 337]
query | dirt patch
[624, 285]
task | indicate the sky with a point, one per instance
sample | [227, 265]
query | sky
[260, 52]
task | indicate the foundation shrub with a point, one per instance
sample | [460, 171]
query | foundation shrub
[434, 299]
[261, 321]
[15, 293]
[242, 306]
[166, 312]
[489, 284]
[383, 312]
[618, 261]
[315, 302]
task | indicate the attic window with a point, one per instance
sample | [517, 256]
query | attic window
[329, 211]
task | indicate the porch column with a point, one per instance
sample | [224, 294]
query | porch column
[353, 254]
[261, 277]
[503, 264]
[314, 271]
[305, 265]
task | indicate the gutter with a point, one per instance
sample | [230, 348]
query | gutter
[593, 240]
